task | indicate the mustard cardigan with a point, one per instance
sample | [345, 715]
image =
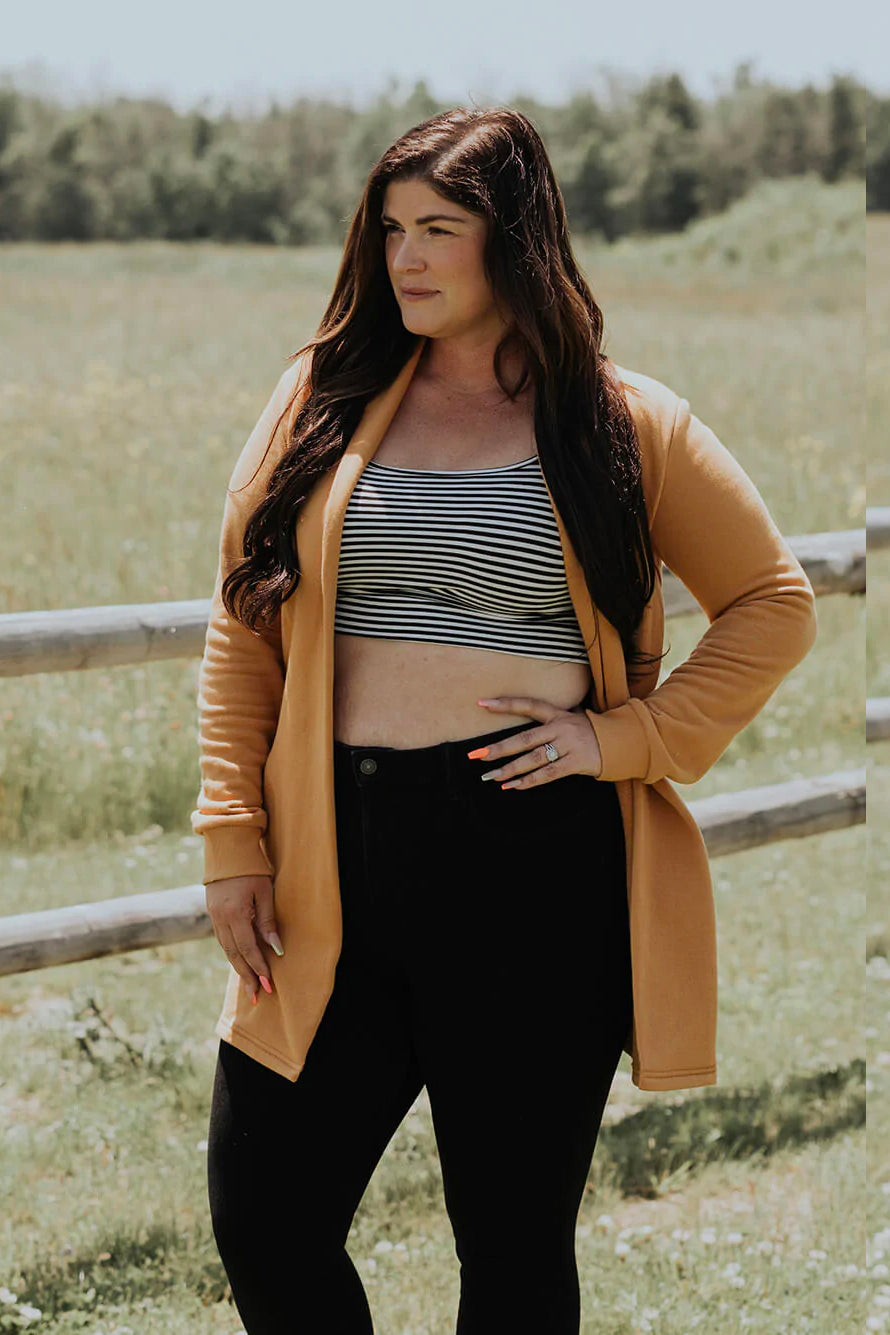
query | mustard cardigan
[265, 704]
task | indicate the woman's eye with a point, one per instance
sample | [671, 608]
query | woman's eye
[391, 227]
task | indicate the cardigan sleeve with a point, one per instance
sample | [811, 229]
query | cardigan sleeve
[713, 530]
[240, 681]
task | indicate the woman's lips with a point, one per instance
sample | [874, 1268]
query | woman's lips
[417, 296]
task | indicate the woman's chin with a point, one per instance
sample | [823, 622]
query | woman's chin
[416, 322]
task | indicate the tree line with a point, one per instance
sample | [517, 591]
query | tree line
[636, 157]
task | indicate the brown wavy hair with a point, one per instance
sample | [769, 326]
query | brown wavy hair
[493, 163]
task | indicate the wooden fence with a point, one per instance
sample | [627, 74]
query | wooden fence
[91, 637]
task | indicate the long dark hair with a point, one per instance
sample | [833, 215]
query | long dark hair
[493, 163]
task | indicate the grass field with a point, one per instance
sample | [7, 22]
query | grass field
[131, 378]
[877, 1032]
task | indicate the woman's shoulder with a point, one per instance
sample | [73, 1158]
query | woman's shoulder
[651, 401]
[269, 437]
[293, 383]
[653, 406]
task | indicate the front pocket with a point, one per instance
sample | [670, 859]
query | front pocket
[574, 798]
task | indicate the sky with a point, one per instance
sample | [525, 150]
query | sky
[241, 55]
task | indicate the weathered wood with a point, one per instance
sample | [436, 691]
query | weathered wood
[729, 822]
[877, 527]
[93, 637]
[106, 927]
[795, 809]
[877, 718]
[76, 638]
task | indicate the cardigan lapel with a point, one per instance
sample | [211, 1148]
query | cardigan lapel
[371, 429]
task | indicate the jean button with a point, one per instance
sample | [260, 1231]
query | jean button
[368, 766]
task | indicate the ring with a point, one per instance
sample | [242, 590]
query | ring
[551, 752]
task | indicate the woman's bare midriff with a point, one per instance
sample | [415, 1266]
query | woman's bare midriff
[406, 693]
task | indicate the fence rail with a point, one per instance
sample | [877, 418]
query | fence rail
[730, 822]
[877, 718]
[877, 526]
[73, 639]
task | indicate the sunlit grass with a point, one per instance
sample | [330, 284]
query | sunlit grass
[877, 1013]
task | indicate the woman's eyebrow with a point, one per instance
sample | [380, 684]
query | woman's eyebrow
[427, 217]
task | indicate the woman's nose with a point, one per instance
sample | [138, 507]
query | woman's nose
[406, 257]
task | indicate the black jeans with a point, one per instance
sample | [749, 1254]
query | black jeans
[486, 955]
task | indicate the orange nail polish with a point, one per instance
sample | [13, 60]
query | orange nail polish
[478, 755]
[253, 998]
[267, 986]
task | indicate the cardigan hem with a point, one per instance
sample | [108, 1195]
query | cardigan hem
[688, 1079]
[261, 1052]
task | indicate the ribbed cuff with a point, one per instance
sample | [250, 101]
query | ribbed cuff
[234, 850]
[622, 741]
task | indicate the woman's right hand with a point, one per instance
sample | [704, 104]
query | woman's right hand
[242, 911]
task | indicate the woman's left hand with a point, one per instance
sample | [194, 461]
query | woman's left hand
[569, 731]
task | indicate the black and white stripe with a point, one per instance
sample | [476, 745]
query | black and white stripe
[467, 556]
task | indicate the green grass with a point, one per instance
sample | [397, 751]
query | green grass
[131, 378]
[877, 1010]
[800, 231]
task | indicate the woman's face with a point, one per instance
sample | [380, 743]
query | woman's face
[436, 245]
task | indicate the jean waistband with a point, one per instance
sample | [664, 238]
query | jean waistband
[444, 763]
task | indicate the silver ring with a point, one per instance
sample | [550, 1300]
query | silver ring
[550, 751]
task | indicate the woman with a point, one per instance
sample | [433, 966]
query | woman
[442, 848]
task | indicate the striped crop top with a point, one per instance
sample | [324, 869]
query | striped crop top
[467, 556]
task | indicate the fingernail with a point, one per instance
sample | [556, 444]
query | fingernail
[253, 998]
[267, 986]
[486, 702]
[476, 755]
[492, 774]
[275, 942]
